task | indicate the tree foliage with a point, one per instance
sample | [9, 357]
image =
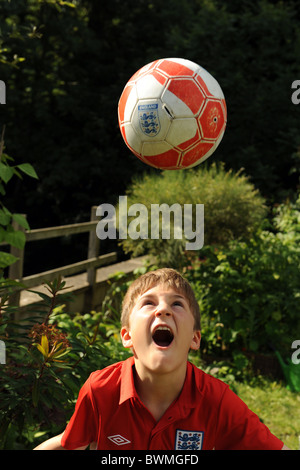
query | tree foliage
[65, 65]
[249, 292]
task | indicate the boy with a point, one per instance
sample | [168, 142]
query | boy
[157, 399]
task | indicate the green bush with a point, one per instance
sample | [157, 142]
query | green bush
[233, 208]
[249, 291]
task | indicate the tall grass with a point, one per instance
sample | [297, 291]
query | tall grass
[276, 406]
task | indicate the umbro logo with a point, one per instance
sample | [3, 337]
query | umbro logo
[118, 440]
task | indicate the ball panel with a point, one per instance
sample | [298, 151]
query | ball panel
[224, 109]
[182, 133]
[209, 84]
[155, 148]
[207, 155]
[188, 92]
[123, 101]
[159, 77]
[148, 87]
[187, 63]
[128, 103]
[176, 107]
[185, 145]
[192, 156]
[212, 119]
[131, 139]
[217, 142]
[142, 71]
[168, 160]
[174, 69]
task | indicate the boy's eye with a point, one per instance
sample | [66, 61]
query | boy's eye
[148, 302]
[178, 303]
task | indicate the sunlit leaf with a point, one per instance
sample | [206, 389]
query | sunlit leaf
[45, 344]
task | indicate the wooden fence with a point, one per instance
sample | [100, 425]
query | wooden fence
[90, 265]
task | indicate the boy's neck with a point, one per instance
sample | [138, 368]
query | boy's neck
[158, 391]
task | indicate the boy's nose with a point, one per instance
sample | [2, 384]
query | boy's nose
[163, 309]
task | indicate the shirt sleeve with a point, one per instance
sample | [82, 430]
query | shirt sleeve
[82, 427]
[239, 428]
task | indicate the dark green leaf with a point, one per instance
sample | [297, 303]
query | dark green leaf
[6, 259]
[4, 217]
[6, 172]
[21, 220]
[28, 170]
[16, 239]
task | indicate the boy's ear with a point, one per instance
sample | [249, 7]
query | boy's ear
[195, 344]
[126, 337]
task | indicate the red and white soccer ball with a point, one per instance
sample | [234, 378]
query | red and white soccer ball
[172, 114]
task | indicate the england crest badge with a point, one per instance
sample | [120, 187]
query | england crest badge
[149, 119]
[188, 440]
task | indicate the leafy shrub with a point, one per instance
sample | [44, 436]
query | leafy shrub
[287, 222]
[249, 291]
[47, 361]
[8, 233]
[48, 354]
[232, 208]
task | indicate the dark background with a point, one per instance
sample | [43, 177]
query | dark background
[65, 65]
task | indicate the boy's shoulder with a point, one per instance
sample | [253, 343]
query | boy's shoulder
[109, 374]
[205, 384]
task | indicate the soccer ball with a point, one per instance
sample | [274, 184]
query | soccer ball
[172, 114]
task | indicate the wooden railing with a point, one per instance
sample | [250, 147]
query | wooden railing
[89, 265]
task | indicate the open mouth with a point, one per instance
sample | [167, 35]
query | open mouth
[162, 336]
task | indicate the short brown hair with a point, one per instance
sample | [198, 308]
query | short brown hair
[167, 276]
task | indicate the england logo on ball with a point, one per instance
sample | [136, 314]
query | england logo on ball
[149, 119]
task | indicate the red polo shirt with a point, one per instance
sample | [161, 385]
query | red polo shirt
[206, 415]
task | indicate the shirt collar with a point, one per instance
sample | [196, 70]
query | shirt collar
[127, 389]
[187, 397]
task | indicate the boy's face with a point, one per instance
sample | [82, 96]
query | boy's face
[161, 330]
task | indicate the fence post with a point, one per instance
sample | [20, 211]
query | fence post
[16, 269]
[93, 249]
